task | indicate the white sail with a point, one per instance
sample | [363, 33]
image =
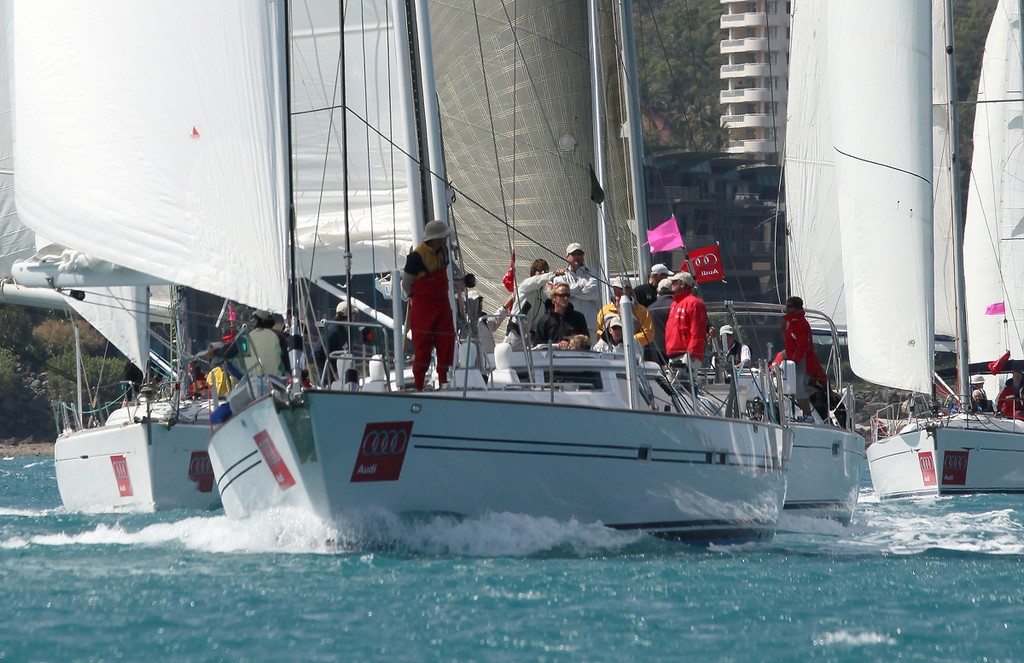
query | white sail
[16, 241]
[942, 210]
[381, 146]
[172, 163]
[813, 245]
[880, 88]
[994, 232]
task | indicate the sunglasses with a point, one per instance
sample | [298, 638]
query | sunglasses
[560, 294]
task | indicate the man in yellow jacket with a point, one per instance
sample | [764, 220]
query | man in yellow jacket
[643, 325]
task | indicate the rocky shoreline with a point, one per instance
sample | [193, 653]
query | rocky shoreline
[28, 447]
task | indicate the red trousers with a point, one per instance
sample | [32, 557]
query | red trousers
[430, 320]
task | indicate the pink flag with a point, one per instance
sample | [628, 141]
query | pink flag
[999, 308]
[665, 237]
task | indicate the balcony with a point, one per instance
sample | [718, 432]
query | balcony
[752, 20]
[749, 95]
[748, 45]
[754, 146]
[746, 70]
[750, 120]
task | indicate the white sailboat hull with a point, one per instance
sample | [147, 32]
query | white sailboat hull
[960, 456]
[685, 477]
[824, 472]
[141, 467]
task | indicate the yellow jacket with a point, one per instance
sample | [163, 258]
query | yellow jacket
[643, 325]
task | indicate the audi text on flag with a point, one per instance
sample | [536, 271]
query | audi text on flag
[707, 264]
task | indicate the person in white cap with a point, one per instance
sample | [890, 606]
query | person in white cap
[686, 331]
[335, 337]
[611, 339]
[736, 352]
[584, 286]
[978, 395]
[425, 282]
[648, 292]
[643, 325]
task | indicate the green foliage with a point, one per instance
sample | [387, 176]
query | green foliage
[9, 381]
[15, 328]
[101, 378]
[679, 59]
[57, 336]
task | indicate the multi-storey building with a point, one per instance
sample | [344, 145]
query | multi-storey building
[756, 77]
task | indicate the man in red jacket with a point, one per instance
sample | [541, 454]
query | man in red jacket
[686, 330]
[800, 351]
[425, 281]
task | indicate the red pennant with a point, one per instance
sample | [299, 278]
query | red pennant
[707, 263]
[995, 366]
[195, 132]
[510, 276]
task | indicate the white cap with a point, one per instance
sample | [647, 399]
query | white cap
[343, 306]
[612, 321]
[621, 282]
[261, 314]
[665, 286]
[978, 379]
[573, 248]
[686, 278]
[435, 230]
[726, 329]
[661, 269]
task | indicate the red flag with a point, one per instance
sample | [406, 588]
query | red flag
[995, 366]
[510, 276]
[707, 263]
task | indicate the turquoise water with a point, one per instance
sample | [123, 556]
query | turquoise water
[921, 581]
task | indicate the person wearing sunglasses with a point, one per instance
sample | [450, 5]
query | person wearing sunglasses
[561, 320]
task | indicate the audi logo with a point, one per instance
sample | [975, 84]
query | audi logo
[955, 463]
[926, 463]
[706, 260]
[385, 442]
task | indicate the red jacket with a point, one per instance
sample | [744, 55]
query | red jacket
[687, 327]
[798, 337]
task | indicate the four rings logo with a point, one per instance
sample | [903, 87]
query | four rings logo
[706, 261]
[382, 451]
[927, 464]
[954, 468]
[200, 471]
[121, 476]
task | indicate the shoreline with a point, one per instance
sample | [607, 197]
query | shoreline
[29, 447]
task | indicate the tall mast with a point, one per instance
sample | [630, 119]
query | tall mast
[959, 286]
[631, 91]
[596, 97]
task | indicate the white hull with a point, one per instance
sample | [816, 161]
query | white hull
[979, 454]
[129, 466]
[700, 479]
[823, 473]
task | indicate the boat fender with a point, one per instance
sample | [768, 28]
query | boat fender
[221, 414]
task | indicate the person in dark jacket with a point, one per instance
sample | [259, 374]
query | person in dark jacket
[560, 321]
[646, 294]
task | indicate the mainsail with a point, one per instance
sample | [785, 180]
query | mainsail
[994, 233]
[880, 87]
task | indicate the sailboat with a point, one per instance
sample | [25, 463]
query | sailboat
[824, 471]
[97, 185]
[957, 450]
[553, 433]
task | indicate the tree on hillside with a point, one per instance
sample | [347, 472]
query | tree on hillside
[679, 60]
